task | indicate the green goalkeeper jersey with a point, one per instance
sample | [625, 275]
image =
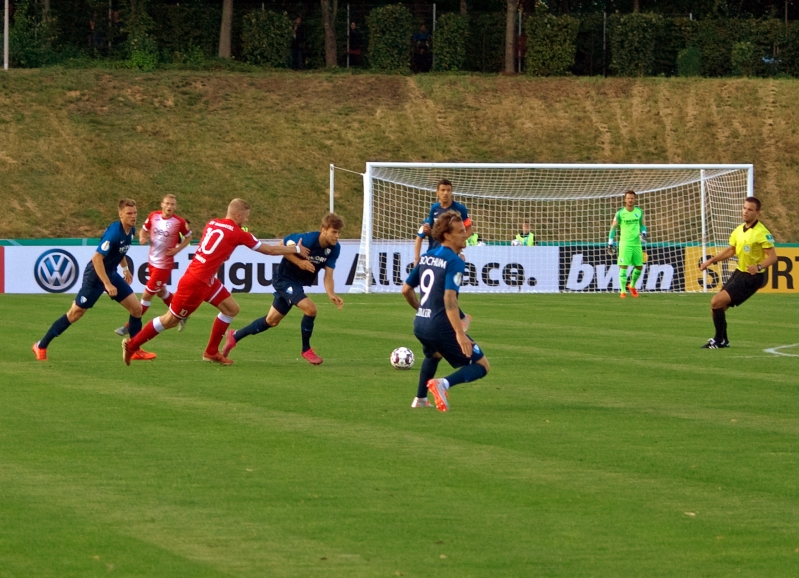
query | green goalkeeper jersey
[631, 224]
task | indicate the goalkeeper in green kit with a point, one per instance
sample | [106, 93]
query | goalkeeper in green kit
[630, 221]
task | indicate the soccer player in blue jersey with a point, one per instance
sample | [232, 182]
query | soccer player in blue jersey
[289, 280]
[445, 202]
[438, 323]
[101, 276]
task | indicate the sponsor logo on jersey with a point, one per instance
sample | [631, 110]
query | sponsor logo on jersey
[458, 278]
[105, 246]
[56, 271]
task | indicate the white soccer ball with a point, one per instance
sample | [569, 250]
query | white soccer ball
[515, 242]
[402, 358]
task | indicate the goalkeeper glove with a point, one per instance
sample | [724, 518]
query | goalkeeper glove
[643, 236]
[611, 248]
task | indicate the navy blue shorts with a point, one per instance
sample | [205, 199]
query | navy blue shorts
[92, 290]
[450, 350]
[287, 294]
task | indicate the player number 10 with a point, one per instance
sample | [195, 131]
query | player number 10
[206, 246]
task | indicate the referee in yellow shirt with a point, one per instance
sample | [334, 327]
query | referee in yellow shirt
[753, 245]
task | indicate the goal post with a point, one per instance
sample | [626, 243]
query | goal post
[689, 210]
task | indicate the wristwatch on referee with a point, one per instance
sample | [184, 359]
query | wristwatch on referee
[759, 267]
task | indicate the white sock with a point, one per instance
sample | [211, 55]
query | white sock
[225, 318]
[157, 325]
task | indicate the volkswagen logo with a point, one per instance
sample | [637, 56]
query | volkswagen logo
[56, 271]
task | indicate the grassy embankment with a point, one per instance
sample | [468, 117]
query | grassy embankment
[73, 141]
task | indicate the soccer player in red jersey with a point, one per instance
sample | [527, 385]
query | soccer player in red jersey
[220, 238]
[168, 235]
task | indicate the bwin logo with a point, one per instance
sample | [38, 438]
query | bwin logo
[56, 271]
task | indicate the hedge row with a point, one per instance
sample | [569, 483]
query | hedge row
[637, 44]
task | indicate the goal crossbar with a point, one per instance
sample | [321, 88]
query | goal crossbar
[567, 204]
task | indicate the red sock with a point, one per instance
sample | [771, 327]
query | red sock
[145, 335]
[144, 309]
[168, 299]
[217, 333]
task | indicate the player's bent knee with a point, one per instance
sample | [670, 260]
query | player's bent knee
[229, 307]
[484, 362]
[168, 320]
[720, 300]
[308, 307]
[75, 313]
[274, 317]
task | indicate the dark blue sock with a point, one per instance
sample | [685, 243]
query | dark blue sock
[428, 372]
[134, 326]
[466, 374]
[306, 328]
[61, 324]
[258, 326]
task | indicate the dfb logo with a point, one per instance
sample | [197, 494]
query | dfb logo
[56, 271]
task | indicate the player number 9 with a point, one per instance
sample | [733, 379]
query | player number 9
[426, 284]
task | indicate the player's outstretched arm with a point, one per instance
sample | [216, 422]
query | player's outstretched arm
[723, 256]
[410, 296]
[297, 249]
[330, 288]
[454, 316]
[303, 264]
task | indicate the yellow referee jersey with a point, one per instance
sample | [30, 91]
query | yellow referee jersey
[750, 244]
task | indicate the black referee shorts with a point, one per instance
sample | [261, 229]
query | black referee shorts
[742, 286]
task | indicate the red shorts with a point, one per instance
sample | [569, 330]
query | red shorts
[158, 279]
[192, 292]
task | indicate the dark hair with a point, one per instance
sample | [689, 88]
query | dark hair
[754, 200]
[443, 224]
[332, 220]
[630, 192]
[444, 182]
[126, 203]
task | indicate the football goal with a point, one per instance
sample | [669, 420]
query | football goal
[689, 211]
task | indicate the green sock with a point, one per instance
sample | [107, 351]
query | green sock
[623, 279]
[636, 274]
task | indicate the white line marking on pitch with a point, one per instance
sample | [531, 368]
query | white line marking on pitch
[774, 350]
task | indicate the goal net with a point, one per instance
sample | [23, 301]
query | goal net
[689, 212]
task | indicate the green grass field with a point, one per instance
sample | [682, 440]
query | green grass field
[604, 442]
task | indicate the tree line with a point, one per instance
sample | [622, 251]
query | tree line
[469, 33]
